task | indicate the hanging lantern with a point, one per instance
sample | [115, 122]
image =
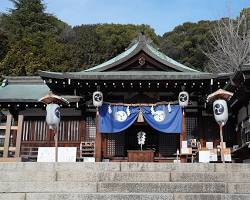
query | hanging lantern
[183, 99]
[97, 99]
[53, 115]
[220, 111]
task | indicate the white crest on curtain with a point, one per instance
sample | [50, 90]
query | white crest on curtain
[128, 111]
[159, 115]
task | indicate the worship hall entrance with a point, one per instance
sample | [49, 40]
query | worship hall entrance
[162, 144]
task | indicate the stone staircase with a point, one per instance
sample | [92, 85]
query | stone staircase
[124, 181]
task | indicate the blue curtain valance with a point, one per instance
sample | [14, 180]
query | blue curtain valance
[117, 118]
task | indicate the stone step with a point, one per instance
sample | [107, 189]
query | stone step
[90, 176]
[161, 187]
[124, 187]
[122, 196]
[185, 167]
[218, 196]
[34, 166]
[209, 177]
[28, 175]
[232, 167]
[239, 188]
[113, 176]
[127, 167]
[153, 176]
[47, 187]
[107, 196]
[167, 167]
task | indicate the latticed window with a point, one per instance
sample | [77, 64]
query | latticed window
[90, 128]
[115, 144]
[191, 124]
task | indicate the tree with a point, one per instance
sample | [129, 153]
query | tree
[90, 45]
[115, 38]
[231, 46]
[185, 43]
[30, 30]
[27, 17]
[4, 44]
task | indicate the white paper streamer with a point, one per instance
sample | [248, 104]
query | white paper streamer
[169, 108]
[141, 136]
[128, 111]
[152, 110]
[109, 109]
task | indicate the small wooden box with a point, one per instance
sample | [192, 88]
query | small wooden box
[140, 156]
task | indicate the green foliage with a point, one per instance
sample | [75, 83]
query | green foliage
[32, 40]
[116, 37]
[185, 43]
[90, 45]
[4, 45]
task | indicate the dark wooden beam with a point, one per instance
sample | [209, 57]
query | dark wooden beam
[98, 140]
[7, 136]
[19, 136]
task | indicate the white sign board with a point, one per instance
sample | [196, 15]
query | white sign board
[65, 154]
[213, 156]
[204, 156]
[46, 154]
[227, 157]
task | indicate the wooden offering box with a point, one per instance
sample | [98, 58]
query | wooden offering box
[140, 156]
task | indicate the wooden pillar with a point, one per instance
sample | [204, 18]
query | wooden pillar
[183, 135]
[19, 136]
[98, 140]
[56, 143]
[104, 145]
[7, 136]
[221, 144]
[82, 126]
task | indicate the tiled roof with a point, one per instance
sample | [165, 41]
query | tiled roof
[141, 45]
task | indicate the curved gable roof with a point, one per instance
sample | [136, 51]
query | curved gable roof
[141, 45]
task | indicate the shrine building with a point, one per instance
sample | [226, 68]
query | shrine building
[140, 80]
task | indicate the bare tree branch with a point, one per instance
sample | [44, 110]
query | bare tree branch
[231, 45]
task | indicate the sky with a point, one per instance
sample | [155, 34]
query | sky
[161, 15]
